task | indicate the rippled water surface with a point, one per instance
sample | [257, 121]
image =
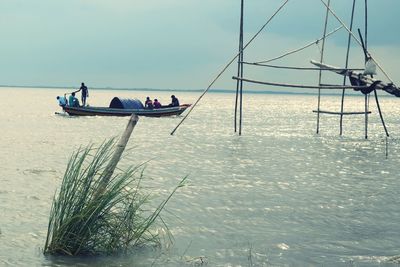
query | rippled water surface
[279, 195]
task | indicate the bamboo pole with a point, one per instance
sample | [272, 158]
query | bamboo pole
[380, 113]
[386, 150]
[366, 116]
[366, 24]
[227, 65]
[119, 149]
[366, 45]
[240, 63]
[241, 97]
[339, 113]
[299, 85]
[346, 66]
[301, 48]
[241, 68]
[236, 103]
[375, 93]
[321, 61]
[297, 68]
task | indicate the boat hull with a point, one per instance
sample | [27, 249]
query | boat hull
[104, 111]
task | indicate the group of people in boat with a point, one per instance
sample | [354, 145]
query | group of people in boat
[72, 101]
[150, 104]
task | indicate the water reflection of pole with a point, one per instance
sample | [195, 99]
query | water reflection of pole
[239, 83]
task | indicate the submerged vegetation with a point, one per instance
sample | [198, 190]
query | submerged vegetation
[99, 211]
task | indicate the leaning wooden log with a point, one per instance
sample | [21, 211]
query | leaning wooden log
[112, 164]
[360, 78]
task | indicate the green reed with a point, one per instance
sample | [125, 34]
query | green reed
[90, 217]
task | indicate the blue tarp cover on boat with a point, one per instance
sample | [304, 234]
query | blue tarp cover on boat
[126, 103]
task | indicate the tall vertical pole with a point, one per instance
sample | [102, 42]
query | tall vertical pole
[366, 25]
[380, 113]
[365, 47]
[366, 116]
[241, 69]
[239, 83]
[346, 66]
[321, 61]
[365, 43]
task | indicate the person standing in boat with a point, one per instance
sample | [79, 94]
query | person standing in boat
[156, 103]
[148, 103]
[84, 94]
[174, 101]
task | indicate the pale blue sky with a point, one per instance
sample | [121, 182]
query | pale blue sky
[166, 43]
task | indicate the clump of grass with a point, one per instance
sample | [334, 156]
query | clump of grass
[99, 211]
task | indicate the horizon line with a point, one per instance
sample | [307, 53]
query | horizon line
[215, 90]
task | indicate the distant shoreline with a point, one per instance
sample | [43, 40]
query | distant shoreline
[223, 91]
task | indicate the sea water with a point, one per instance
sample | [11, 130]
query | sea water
[279, 195]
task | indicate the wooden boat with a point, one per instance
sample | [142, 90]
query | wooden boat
[125, 107]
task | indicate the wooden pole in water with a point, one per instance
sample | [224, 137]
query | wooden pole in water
[239, 83]
[375, 93]
[380, 113]
[386, 151]
[227, 65]
[366, 96]
[241, 68]
[321, 60]
[346, 66]
[366, 115]
[237, 96]
[119, 149]
[366, 24]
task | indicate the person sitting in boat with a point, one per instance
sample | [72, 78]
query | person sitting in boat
[156, 103]
[148, 103]
[73, 101]
[62, 101]
[174, 101]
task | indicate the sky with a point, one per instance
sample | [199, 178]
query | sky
[176, 44]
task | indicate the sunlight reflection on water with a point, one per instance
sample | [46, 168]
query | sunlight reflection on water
[281, 192]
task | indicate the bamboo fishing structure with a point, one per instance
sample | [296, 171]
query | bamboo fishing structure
[360, 79]
[228, 64]
[359, 82]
